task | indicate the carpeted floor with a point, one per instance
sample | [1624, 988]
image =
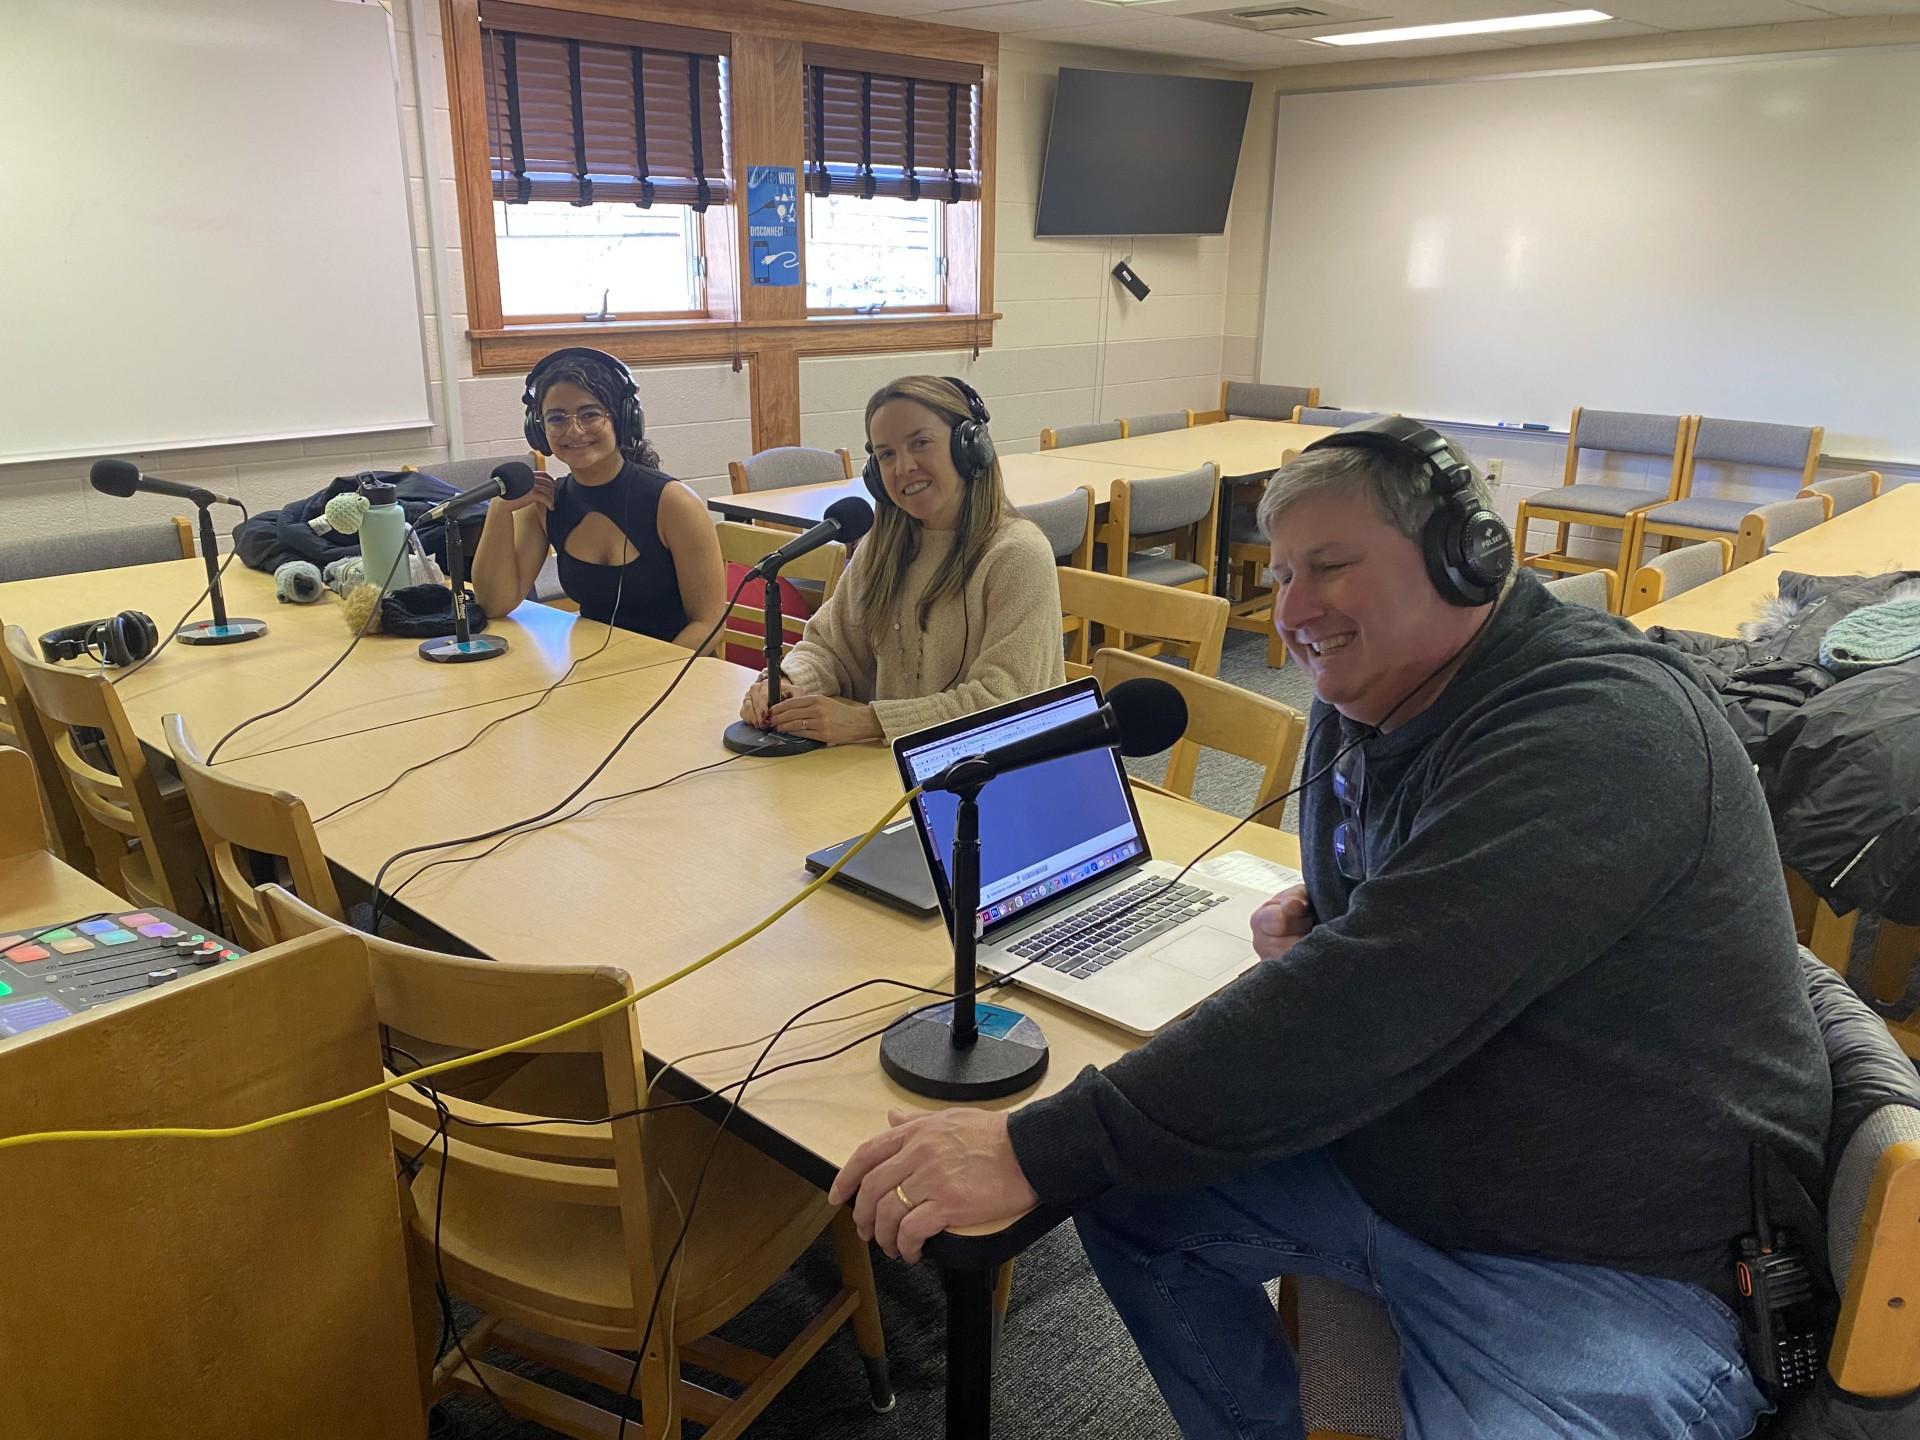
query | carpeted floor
[1066, 1365]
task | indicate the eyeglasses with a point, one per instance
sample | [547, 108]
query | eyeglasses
[1350, 835]
[589, 420]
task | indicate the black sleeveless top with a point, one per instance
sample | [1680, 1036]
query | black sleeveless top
[650, 589]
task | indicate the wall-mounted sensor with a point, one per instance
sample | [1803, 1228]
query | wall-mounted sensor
[1124, 273]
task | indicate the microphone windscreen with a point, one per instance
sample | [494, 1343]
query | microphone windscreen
[516, 478]
[853, 515]
[1151, 714]
[115, 477]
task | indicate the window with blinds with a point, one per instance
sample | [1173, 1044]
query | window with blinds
[902, 127]
[591, 110]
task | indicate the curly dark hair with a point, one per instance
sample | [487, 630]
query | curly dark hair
[599, 381]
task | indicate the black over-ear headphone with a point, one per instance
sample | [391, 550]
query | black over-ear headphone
[119, 640]
[1468, 548]
[969, 444]
[629, 420]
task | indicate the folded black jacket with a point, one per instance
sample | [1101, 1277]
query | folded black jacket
[273, 537]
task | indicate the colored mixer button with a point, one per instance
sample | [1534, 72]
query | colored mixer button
[134, 922]
[96, 927]
[53, 937]
[7, 942]
[27, 954]
[160, 930]
[5, 989]
[77, 945]
[117, 937]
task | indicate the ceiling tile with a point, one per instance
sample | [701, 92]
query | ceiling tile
[1706, 14]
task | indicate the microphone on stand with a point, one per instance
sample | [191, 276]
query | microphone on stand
[942, 1052]
[847, 519]
[123, 478]
[510, 480]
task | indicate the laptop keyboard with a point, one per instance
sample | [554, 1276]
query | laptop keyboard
[1089, 940]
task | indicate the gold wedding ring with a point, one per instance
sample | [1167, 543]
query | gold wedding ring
[903, 1197]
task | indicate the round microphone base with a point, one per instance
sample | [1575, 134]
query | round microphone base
[449, 651]
[207, 632]
[1007, 1055]
[745, 739]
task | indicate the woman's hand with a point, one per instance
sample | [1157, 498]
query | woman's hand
[541, 495]
[826, 718]
[753, 706]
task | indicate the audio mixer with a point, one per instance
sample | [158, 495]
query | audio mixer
[48, 972]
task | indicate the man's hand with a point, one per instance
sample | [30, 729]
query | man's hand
[1282, 923]
[956, 1167]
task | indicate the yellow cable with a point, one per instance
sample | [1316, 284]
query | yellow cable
[341, 1102]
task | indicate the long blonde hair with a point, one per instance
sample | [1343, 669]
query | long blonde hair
[895, 539]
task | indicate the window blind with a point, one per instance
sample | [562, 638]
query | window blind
[882, 125]
[609, 112]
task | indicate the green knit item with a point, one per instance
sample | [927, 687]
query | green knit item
[1872, 636]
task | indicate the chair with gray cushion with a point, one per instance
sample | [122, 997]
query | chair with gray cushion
[1750, 444]
[785, 466]
[1061, 436]
[1600, 505]
[1349, 1356]
[1244, 400]
[1331, 415]
[1067, 522]
[1676, 572]
[1163, 508]
[1763, 528]
[1593, 590]
[1159, 421]
[1846, 492]
[35, 557]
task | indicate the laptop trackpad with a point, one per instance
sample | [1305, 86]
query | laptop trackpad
[1206, 952]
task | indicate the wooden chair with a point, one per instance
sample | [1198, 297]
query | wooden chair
[750, 544]
[1896, 950]
[1219, 717]
[248, 829]
[1248, 552]
[787, 465]
[1158, 510]
[1192, 625]
[1088, 434]
[23, 827]
[163, 866]
[1157, 422]
[1599, 505]
[1595, 590]
[1332, 415]
[1349, 1357]
[36, 557]
[1762, 529]
[21, 726]
[1844, 492]
[557, 1232]
[1677, 572]
[1242, 399]
[1067, 522]
[1749, 444]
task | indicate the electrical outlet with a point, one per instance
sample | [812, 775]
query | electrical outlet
[1494, 467]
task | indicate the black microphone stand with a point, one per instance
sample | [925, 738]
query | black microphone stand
[745, 739]
[220, 630]
[463, 645]
[943, 1052]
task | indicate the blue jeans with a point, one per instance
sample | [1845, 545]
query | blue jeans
[1491, 1345]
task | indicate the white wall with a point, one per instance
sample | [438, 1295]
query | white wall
[1073, 345]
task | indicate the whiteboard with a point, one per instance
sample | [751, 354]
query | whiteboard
[207, 236]
[1739, 240]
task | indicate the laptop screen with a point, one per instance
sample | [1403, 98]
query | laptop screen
[1045, 830]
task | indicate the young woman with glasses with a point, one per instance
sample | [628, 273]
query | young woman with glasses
[636, 547]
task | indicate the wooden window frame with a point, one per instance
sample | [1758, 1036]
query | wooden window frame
[742, 322]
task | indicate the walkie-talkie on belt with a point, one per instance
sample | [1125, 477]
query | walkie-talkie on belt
[1782, 1310]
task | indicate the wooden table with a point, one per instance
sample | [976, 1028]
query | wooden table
[647, 882]
[1881, 535]
[1241, 448]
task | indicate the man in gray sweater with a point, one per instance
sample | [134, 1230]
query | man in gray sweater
[1510, 1045]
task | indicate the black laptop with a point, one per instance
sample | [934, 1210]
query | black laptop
[892, 870]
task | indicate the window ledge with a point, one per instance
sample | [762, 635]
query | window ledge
[513, 349]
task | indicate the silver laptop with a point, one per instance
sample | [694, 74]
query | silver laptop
[1064, 869]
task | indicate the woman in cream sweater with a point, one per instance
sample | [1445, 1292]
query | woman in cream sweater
[951, 603]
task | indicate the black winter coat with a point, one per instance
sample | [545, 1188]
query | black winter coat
[1839, 760]
[273, 537]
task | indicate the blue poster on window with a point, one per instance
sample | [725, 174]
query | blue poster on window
[773, 224]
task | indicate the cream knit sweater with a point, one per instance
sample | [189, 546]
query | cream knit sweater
[997, 640]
